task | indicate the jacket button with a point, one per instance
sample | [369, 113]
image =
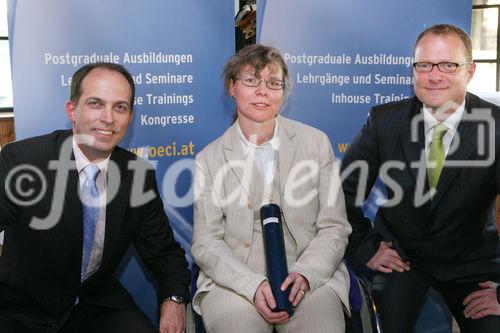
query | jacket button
[246, 243]
[249, 206]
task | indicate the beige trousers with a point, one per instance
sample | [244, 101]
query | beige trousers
[227, 312]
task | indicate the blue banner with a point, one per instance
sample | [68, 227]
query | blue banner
[348, 55]
[174, 49]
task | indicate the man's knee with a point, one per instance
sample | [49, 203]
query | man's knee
[488, 324]
[122, 322]
[9, 325]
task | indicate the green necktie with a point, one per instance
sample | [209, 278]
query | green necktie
[435, 156]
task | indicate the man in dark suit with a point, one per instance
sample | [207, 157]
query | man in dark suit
[437, 156]
[68, 228]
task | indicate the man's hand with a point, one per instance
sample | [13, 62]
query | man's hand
[483, 302]
[264, 303]
[387, 260]
[300, 286]
[172, 317]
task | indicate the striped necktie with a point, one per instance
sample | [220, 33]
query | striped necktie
[90, 201]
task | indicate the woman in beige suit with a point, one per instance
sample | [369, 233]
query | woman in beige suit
[264, 158]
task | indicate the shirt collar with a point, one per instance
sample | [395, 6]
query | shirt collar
[451, 122]
[82, 161]
[246, 145]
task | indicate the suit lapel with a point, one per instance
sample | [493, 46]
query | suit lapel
[117, 207]
[72, 209]
[287, 151]
[73, 200]
[412, 137]
[237, 162]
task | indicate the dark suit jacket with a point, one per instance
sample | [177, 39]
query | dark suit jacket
[40, 269]
[448, 235]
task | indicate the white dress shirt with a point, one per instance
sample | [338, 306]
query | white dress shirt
[265, 155]
[97, 248]
[451, 122]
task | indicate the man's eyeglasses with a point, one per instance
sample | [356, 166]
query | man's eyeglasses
[252, 81]
[445, 67]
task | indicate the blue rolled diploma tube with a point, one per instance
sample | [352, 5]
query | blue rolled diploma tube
[274, 244]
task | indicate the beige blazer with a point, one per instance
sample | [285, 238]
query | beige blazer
[312, 203]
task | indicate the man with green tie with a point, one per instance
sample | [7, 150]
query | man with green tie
[436, 154]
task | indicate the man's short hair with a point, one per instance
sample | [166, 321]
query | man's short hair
[446, 29]
[82, 72]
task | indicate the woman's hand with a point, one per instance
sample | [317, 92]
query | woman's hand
[264, 304]
[300, 286]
